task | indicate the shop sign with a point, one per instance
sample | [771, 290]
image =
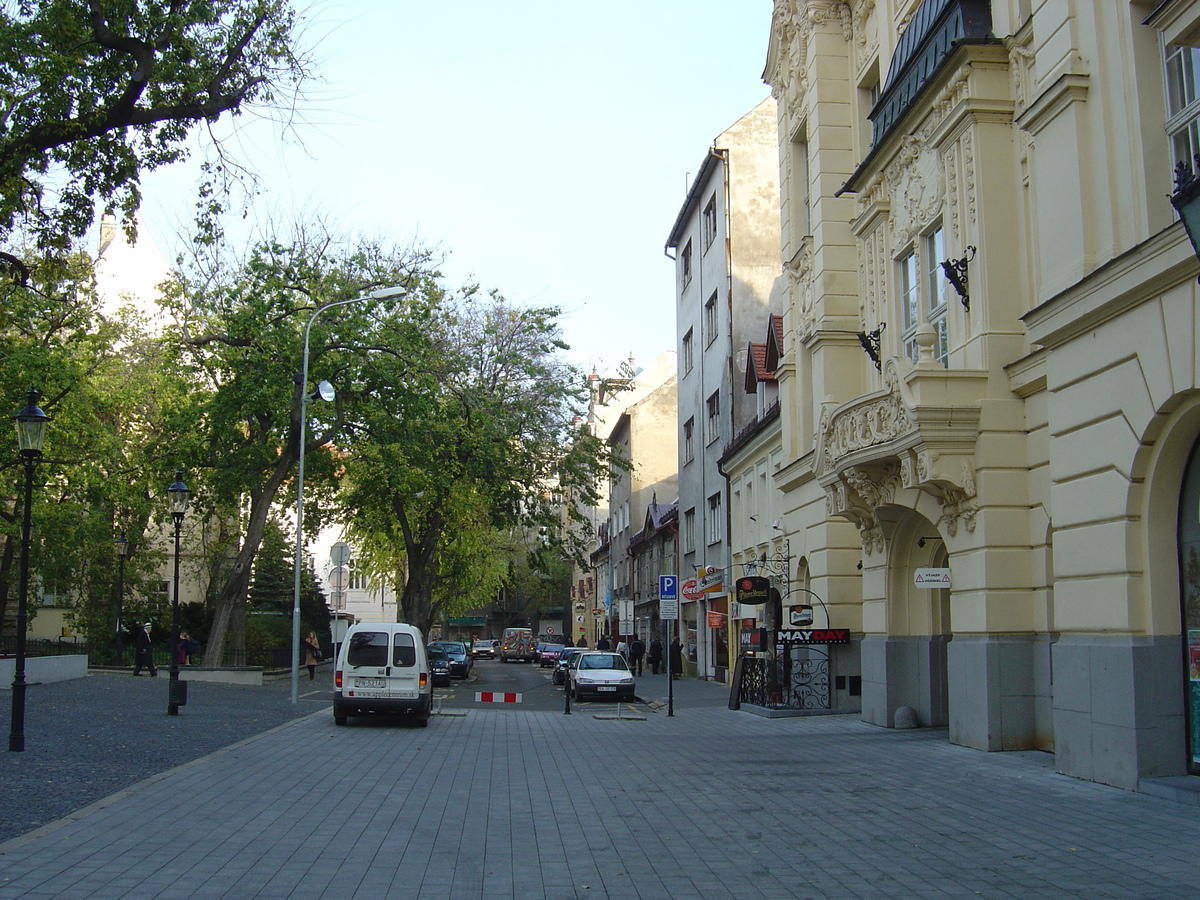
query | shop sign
[715, 619]
[814, 636]
[691, 589]
[711, 579]
[753, 590]
[800, 616]
[931, 578]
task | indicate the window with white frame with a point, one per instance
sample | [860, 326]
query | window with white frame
[716, 519]
[689, 443]
[710, 319]
[714, 417]
[687, 351]
[1183, 103]
[710, 221]
[689, 530]
[935, 251]
[910, 309]
[685, 265]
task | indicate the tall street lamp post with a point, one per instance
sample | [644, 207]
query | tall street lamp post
[176, 689]
[31, 430]
[325, 392]
[122, 552]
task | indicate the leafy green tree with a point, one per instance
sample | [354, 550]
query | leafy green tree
[96, 92]
[240, 334]
[273, 586]
[480, 430]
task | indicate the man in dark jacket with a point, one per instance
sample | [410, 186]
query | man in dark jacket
[637, 649]
[676, 661]
[143, 652]
[655, 657]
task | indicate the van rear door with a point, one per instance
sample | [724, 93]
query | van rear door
[382, 665]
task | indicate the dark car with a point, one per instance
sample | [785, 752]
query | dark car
[460, 658]
[439, 665]
[548, 655]
[559, 676]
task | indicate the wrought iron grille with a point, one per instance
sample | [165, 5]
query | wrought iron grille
[786, 682]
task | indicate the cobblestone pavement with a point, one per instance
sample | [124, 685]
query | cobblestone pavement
[89, 737]
[506, 803]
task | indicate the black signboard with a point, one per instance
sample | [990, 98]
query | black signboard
[753, 589]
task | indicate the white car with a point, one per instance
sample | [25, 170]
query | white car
[601, 674]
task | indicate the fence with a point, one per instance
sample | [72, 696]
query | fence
[118, 654]
[788, 681]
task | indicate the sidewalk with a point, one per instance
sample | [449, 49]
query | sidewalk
[708, 803]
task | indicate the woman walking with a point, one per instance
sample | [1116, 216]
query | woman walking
[312, 654]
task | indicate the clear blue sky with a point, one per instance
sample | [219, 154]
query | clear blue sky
[544, 146]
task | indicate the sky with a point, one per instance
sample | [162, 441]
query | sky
[544, 147]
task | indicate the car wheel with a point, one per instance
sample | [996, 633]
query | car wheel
[339, 720]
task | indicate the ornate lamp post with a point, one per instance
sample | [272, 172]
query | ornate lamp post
[122, 552]
[176, 689]
[31, 430]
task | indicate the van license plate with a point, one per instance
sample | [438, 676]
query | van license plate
[370, 683]
[607, 688]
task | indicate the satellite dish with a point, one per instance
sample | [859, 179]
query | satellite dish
[325, 391]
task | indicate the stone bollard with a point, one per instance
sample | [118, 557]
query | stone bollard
[906, 717]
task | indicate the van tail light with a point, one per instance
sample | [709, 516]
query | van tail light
[424, 679]
[337, 678]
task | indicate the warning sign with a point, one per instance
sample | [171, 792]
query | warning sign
[932, 578]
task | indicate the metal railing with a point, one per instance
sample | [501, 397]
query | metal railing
[785, 682]
[118, 654]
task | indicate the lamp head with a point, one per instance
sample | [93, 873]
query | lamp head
[122, 545]
[179, 497]
[31, 426]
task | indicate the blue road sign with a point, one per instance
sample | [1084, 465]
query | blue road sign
[668, 587]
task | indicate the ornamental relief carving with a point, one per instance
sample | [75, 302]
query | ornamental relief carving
[858, 21]
[875, 420]
[917, 181]
[793, 24]
[801, 283]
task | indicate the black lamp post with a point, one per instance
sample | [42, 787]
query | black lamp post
[31, 430]
[122, 552]
[176, 689]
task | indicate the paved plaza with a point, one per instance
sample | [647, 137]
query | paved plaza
[500, 803]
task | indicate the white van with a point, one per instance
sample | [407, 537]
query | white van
[382, 668]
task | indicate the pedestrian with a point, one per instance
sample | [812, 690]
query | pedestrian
[143, 654]
[637, 649]
[582, 642]
[181, 649]
[312, 654]
[676, 660]
[603, 643]
[623, 649]
[655, 656]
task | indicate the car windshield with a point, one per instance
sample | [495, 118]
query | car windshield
[602, 661]
[437, 653]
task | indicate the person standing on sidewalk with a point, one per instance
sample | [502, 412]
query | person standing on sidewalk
[143, 654]
[637, 649]
[655, 656]
[676, 661]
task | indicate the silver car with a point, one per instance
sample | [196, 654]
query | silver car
[601, 674]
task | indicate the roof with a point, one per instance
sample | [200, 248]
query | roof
[711, 160]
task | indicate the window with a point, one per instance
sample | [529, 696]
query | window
[687, 352]
[685, 265]
[716, 519]
[689, 444]
[689, 531]
[1183, 103]
[798, 191]
[714, 417]
[710, 221]
[935, 252]
[909, 311]
[710, 319]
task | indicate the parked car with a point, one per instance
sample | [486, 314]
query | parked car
[484, 649]
[548, 654]
[601, 674]
[382, 668]
[460, 659]
[439, 665]
[559, 675]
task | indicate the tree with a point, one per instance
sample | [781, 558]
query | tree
[484, 426]
[95, 92]
[240, 332]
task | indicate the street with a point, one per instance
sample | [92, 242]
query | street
[508, 801]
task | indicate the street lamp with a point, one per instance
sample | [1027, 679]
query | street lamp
[325, 392]
[122, 552]
[31, 430]
[176, 689]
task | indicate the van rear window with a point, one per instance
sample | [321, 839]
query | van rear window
[405, 653]
[368, 648]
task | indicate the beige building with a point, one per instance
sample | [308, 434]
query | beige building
[990, 368]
